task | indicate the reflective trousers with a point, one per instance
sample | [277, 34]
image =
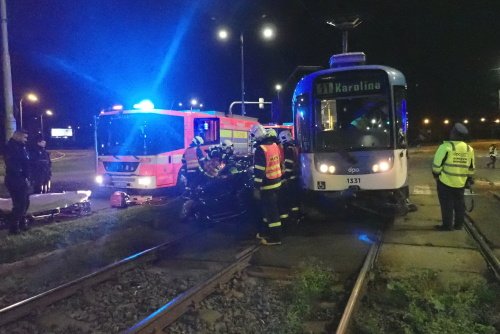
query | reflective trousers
[270, 212]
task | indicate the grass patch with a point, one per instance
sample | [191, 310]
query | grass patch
[312, 285]
[60, 235]
[427, 302]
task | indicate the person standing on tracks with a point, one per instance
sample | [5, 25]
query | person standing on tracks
[453, 167]
[17, 181]
[267, 182]
[492, 151]
[40, 167]
[191, 163]
[290, 188]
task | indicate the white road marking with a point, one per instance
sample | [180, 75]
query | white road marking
[422, 190]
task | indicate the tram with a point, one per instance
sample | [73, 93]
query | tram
[351, 125]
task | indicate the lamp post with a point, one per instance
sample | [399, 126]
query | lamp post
[30, 97]
[48, 113]
[223, 34]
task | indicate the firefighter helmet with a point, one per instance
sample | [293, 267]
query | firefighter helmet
[227, 145]
[271, 133]
[257, 132]
[285, 137]
[197, 140]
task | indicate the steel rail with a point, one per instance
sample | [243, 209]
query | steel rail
[170, 312]
[26, 306]
[485, 250]
[356, 294]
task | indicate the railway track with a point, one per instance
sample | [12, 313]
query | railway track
[25, 307]
[489, 256]
[214, 292]
[149, 313]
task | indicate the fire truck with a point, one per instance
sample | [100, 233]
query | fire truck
[142, 148]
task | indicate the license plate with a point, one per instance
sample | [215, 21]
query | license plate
[121, 184]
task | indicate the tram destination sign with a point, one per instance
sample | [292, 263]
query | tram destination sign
[345, 85]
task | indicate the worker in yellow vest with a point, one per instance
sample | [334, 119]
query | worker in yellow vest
[453, 167]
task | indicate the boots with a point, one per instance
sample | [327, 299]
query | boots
[14, 227]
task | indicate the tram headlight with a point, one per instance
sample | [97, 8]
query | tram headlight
[325, 168]
[144, 181]
[99, 179]
[381, 166]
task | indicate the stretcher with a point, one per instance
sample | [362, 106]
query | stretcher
[47, 206]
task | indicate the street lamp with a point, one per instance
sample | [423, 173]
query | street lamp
[48, 113]
[223, 34]
[278, 90]
[30, 97]
[194, 103]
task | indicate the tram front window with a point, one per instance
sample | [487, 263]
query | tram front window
[356, 123]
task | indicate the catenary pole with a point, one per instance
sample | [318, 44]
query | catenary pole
[9, 121]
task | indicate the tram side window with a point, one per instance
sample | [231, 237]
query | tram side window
[208, 129]
[401, 116]
[302, 122]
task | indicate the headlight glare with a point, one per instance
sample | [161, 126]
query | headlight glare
[144, 181]
[99, 179]
[323, 168]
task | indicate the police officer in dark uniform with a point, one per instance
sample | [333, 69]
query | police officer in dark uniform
[16, 180]
[267, 182]
[452, 167]
[40, 167]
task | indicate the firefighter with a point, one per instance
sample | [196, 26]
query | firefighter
[213, 162]
[267, 182]
[290, 186]
[191, 164]
[453, 167]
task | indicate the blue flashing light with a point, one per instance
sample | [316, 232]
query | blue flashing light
[288, 123]
[301, 114]
[144, 105]
[365, 238]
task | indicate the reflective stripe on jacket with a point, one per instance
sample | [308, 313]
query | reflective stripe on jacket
[454, 163]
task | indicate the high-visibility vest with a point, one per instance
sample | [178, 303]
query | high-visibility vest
[273, 161]
[454, 162]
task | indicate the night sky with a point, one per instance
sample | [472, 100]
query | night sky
[81, 56]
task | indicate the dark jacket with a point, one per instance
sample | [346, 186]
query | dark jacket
[40, 164]
[16, 161]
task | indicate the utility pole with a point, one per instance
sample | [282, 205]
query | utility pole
[10, 121]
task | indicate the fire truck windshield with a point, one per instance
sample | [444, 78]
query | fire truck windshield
[139, 134]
